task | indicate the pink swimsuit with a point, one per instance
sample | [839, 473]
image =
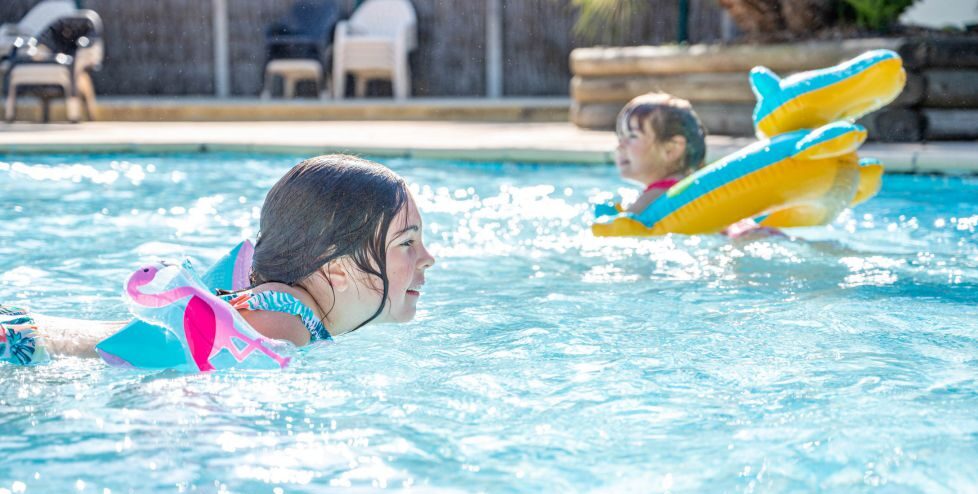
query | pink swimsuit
[665, 184]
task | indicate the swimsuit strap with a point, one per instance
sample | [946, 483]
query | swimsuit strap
[280, 302]
[665, 183]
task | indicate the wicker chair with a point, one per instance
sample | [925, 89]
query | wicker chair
[33, 23]
[72, 48]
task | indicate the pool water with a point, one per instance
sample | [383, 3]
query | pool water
[841, 358]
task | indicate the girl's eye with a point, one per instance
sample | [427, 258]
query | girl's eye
[407, 243]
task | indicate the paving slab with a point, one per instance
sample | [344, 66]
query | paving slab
[537, 142]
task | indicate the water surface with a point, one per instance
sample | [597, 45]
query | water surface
[840, 358]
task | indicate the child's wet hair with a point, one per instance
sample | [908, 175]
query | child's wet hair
[667, 116]
[323, 209]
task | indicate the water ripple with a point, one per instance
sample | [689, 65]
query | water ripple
[839, 358]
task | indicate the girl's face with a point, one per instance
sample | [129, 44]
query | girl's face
[641, 157]
[407, 260]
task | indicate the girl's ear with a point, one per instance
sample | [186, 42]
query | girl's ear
[676, 148]
[337, 275]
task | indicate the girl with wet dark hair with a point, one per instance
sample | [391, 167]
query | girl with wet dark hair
[339, 247]
[342, 235]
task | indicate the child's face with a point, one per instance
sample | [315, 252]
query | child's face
[407, 260]
[641, 157]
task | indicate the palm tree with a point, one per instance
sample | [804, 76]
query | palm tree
[607, 17]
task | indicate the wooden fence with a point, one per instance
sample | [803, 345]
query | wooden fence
[165, 47]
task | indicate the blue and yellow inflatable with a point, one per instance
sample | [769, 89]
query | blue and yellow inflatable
[804, 175]
[810, 99]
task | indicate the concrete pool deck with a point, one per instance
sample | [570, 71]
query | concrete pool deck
[537, 142]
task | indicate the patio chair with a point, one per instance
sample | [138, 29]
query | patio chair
[33, 23]
[73, 48]
[299, 46]
[375, 43]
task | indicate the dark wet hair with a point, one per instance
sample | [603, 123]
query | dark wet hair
[668, 116]
[323, 209]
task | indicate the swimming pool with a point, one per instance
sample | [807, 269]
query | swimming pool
[842, 359]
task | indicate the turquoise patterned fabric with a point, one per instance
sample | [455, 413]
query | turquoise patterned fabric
[284, 302]
[19, 341]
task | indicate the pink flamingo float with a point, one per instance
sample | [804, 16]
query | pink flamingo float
[208, 322]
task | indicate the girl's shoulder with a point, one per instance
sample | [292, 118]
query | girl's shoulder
[281, 311]
[652, 192]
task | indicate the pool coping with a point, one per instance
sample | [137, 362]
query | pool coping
[535, 142]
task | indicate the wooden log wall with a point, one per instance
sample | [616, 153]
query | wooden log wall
[165, 47]
[940, 100]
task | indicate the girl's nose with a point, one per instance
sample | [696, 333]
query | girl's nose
[427, 260]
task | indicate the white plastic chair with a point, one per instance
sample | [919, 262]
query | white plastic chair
[34, 22]
[374, 44]
[70, 71]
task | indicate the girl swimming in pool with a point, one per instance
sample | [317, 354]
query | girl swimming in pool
[340, 246]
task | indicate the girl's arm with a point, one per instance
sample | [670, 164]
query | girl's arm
[75, 337]
[277, 326]
[644, 200]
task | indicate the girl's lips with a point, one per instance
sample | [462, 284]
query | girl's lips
[414, 289]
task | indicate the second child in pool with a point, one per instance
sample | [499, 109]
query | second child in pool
[661, 140]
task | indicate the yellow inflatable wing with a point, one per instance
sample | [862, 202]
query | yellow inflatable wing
[810, 99]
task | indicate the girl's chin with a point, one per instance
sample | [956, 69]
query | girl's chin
[406, 317]
[627, 173]
[407, 311]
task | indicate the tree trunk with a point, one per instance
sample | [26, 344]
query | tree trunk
[755, 16]
[805, 16]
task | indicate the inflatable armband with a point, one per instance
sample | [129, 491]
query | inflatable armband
[211, 333]
[144, 345]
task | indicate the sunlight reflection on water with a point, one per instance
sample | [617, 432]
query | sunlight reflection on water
[542, 359]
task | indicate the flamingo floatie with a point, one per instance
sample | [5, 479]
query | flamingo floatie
[208, 322]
